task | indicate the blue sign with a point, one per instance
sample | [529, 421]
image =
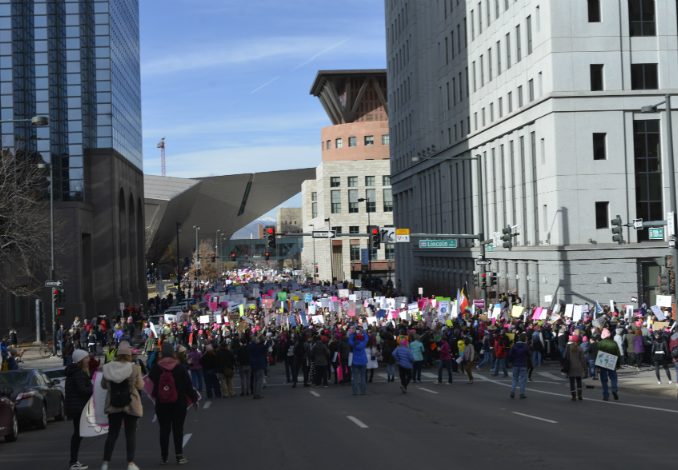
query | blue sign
[364, 256]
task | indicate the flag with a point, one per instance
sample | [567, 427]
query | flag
[463, 302]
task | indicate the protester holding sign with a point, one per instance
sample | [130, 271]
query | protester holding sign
[78, 391]
[607, 345]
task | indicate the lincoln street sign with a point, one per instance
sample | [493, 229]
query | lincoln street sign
[435, 244]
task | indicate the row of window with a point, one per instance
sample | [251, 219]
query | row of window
[389, 252]
[352, 181]
[643, 77]
[642, 16]
[528, 22]
[370, 201]
[368, 140]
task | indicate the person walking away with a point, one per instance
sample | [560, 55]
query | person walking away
[500, 352]
[405, 360]
[417, 349]
[387, 349]
[575, 366]
[123, 381]
[607, 344]
[321, 358]
[172, 391]
[485, 351]
[660, 356]
[258, 353]
[638, 347]
[470, 356]
[289, 358]
[244, 368]
[628, 342]
[445, 357]
[226, 368]
[358, 341]
[195, 366]
[519, 357]
[538, 347]
[78, 390]
[209, 370]
[372, 357]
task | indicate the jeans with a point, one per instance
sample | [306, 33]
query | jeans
[575, 385]
[487, 359]
[536, 358]
[405, 376]
[665, 365]
[519, 379]
[416, 373]
[604, 375]
[359, 384]
[196, 379]
[258, 375]
[75, 438]
[171, 417]
[500, 362]
[212, 383]
[390, 371]
[115, 421]
[245, 380]
[592, 368]
[445, 365]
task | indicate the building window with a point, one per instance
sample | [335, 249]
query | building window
[389, 251]
[594, 11]
[519, 54]
[646, 144]
[353, 229]
[337, 230]
[528, 25]
[335, 201]
[508, 50]
[602, 214]
[596, 71]
[339, 143]
[335, 182]
[509, 99]
[352, 181]
[369, 140]
[599, 150]
[385, 139]
[520, 96]
[500, 105]
[644, 77]
[355, 252]
[373, 254]
[328, 145]
[388, 200]
[369, 181]
[353, 201]
[642, 18]
[386, 180]
[530, 89]
[314, 205]
[371, 196]
[352, 141]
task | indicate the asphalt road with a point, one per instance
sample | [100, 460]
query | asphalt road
[469, 426]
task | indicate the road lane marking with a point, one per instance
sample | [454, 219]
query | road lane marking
[315, 394]
[535, 417]
[206, 405]
[428, 390]
[551, 376]
[187, 437]
[357, 422]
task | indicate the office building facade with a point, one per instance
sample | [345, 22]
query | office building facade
[77, 62]
[537, 106]
[351, 192]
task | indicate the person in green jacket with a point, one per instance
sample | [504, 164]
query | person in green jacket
[608, 345]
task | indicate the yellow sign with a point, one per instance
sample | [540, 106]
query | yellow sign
[402, 235]
[517, 311]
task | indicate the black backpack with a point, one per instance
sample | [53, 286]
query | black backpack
[121, 395]
[674, 352]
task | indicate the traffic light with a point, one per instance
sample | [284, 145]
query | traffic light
[269, 234]
[617, 229]
[58, 295]
[483, 280]
[55, 295]
[232, 255]
[493, 279]
[507, 237]
[375, 238]
[60, 312]
[267, 255]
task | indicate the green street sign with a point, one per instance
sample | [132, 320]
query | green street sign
[656, 233]
[445, 243]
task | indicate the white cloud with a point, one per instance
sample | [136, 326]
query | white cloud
[227, 161]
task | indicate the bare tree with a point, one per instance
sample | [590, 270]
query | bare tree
[24, 223]
[210, 266]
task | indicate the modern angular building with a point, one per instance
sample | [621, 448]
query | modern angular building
[77, 62]
[351, 192]
[536, 105]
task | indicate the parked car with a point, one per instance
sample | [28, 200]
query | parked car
[37, 398]
[59, 375]
[9, 423]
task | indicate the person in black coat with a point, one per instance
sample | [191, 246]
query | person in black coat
[172, 415]
[78, 389]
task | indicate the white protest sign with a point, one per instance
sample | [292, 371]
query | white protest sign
[569, 309]
[576, 314]
[606, 360]
[664, 301]
[204, 319]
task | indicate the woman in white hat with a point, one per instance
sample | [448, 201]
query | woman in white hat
[78, 390]
[123, 380]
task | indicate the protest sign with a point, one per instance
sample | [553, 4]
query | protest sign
[606, 360]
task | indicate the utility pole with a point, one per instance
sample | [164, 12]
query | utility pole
[161, 146]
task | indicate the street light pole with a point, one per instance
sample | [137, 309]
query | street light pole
[314, 262]
[216, 243]
[329, 227]
[366, 200]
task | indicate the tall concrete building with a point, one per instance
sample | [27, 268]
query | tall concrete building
[536, 105]
[351, 191]
[77, 62]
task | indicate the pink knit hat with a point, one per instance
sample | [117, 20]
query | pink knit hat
[574, 339]
[605, 334]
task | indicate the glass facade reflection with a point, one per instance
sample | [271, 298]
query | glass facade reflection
[76, 61]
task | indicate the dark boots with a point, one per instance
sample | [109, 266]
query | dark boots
[579, 394]
[574, 396]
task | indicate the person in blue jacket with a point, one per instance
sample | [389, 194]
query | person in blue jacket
[519, 357]
[405, 360]
[358, 341]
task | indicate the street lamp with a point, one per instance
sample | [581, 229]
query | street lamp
[314, 262]
[329, 227]
[672, 180]
[216, 243]
[366, 200]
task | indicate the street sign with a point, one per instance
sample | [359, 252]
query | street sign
[53, 283]
[656, 233]
[483, 262]
[402, 235]
[388, 235]
[637, 224]
[323, 234]
[443, 243]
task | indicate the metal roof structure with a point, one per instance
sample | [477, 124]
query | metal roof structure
[225, 203]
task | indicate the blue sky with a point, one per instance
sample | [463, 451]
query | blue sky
[227, 82]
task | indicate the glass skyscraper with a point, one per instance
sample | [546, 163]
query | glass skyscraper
[76, 61]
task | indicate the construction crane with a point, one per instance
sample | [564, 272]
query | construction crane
[161, 146]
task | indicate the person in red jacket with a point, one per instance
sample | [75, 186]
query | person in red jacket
[445, 361]
[501, 348]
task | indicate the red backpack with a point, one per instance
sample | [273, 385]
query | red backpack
[167, 388]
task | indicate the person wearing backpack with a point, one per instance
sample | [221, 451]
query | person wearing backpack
[78, 389]
[122, 378]
[660, 356]
[172, 392]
